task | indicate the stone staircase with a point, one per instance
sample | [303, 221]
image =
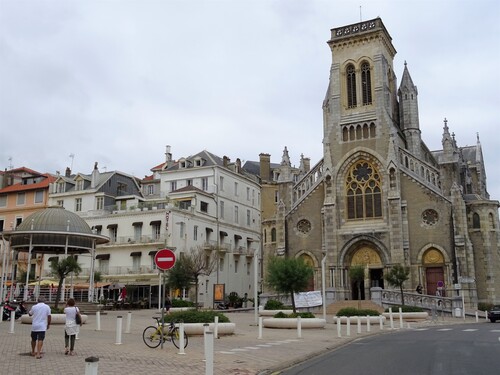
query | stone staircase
[362, 304]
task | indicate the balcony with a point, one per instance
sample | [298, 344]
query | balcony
[112, 271]
[126, 240]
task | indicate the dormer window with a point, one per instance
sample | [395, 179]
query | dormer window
[199, 162]
[79, 185]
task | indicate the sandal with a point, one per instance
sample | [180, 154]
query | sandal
[66, 352]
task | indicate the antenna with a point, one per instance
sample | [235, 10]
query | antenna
[10, 163]
[72, 156]
[360, 17]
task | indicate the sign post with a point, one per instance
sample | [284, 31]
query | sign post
[164, 260]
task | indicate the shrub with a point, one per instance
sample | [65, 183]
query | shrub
[280, 315]
[194, 316]
[59, 310]
[352, 311]
[406, 309]
[484, 306]
[303, 315]
[182, 303]
[273, 304]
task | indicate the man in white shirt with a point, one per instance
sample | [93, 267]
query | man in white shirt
[40, 323]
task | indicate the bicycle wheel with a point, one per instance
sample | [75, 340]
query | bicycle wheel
[151, 337]
[176, 338]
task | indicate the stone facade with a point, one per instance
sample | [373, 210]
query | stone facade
[379, 196]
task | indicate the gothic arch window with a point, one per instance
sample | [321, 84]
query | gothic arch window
[358, 132]
[273, 235]
[365, 131]
[366, 83]
[351, 133]
[372, 130]
[351, 86]
[476, 221]
[265, 236]
[363, 191]
[345, 134]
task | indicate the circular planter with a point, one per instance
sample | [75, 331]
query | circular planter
[263, 312]
[56, 319]
[292, 323]
[408, 315]
[199, 328]
[362, 319]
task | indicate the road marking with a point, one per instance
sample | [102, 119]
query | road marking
[239, 350]
[445, 329]
[422, 329]
[251, 348]
[264, 345]
[469, 330]
[227, 352]
[495, 330]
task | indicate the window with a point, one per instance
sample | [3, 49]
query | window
[78, 204]
[476, 221]
[103, 266]
[235, 266]
[173, 185]
[236, 189]
[273, 235]
[364, 195]
[221, 211]
[136, 263]
[351, 86]
[156, 231]
[60, 203]
[490, 218]
[79, 185]
[113, 233]
[19, 220]
[60, 187]
[204, 183]
[182, 229]
[2, 223]
[99, 203]
[248, 217]
[151, 189]
[195, 233]
[203, 206]
[189, 182]
[276, 196]
[137, 233]
[184, 205]
[21, 198]
[236, 220]
[3, 200]
[366, 83]
[39, 196]
[221, 183]
[248, 193]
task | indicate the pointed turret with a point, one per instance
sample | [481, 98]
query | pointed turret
[285, 167]
[449, 145]
[408, 113]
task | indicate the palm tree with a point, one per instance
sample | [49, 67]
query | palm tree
[61, 269]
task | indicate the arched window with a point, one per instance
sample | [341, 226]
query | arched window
[273, 235]
[366, 83]
[492, 220]
[351, 86]
[363, 191]
[476, 221]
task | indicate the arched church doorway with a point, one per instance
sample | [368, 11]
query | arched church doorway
[368, 258]
[433, 261]
[309, 261]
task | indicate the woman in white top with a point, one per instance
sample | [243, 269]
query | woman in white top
[71, 329]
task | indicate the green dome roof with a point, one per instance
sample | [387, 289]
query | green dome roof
[54, 219]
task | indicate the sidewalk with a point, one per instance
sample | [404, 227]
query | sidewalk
[239, 354]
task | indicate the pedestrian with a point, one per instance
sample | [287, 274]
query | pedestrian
[71, 328]
[40, 323]
[168, 305]
[419, 289]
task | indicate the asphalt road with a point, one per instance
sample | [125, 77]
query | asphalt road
[468, 349]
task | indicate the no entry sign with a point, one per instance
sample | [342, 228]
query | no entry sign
[165, 259]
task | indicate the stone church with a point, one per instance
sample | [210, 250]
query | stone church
[379, 196]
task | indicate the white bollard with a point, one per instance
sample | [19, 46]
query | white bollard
[1, 314]
[181, 338]
[358, 321]
[348, 329]
[91, 365]
[118, 340]
[260, 328]
[299, 327]
[486, 315]
[216, 327]
[477, 317]
[205, 342]
[12, 321]
[129, 322]
[209, 353]
[381, 322]
[368, 327]
[97, 320]
[339, 328]
[400, 318]
[391, 318]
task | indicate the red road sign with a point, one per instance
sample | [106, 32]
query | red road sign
[165, 259]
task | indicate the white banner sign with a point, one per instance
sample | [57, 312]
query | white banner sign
[308, 299]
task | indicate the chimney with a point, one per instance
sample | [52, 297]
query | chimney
[225, 161]
[265, 166]
[238, 165]
[168, 155]
[68, 172]
[95, 176]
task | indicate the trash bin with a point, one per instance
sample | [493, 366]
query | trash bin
[458, 312]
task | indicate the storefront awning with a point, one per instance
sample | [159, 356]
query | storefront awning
[155, 222]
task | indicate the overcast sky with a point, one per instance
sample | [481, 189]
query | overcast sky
[116, 81]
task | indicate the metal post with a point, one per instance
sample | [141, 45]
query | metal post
[181, 338]
[400, 318]
[209, 353]
[391, 318]
[216, 327]
[348, 332]
[12, 321]
[358, 321]
[477, 317]
[381, 322]
[368, 328]
[339, 328]
[299, 327]
[260, 328]
[129, 321]
[91, 365]
[118, 340]
[98, 320]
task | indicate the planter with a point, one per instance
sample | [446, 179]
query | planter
[362, 319]
[291, 323]
[199, 328]
[56, 319]
[408, 315]
[263, 312]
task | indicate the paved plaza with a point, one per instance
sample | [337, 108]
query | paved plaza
[241, 353]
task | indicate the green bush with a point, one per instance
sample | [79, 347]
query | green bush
[194, 316]
[273, 304]
[352, 311]
[303, 315]
[280, 315]
[59, 310]
[484, 306]
[406, 309]
[182, 303]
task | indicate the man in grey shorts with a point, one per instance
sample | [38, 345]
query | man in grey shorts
[40, 323]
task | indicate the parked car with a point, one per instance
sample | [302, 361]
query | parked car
[494, 314]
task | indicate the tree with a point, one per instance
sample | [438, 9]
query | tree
[397, 276]
[357, 275]
[190, 266]
[61, 269]
[289, 275]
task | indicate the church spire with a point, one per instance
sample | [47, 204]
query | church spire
[408, 112]
[448, 142]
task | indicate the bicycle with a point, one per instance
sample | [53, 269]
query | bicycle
[152, 335]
